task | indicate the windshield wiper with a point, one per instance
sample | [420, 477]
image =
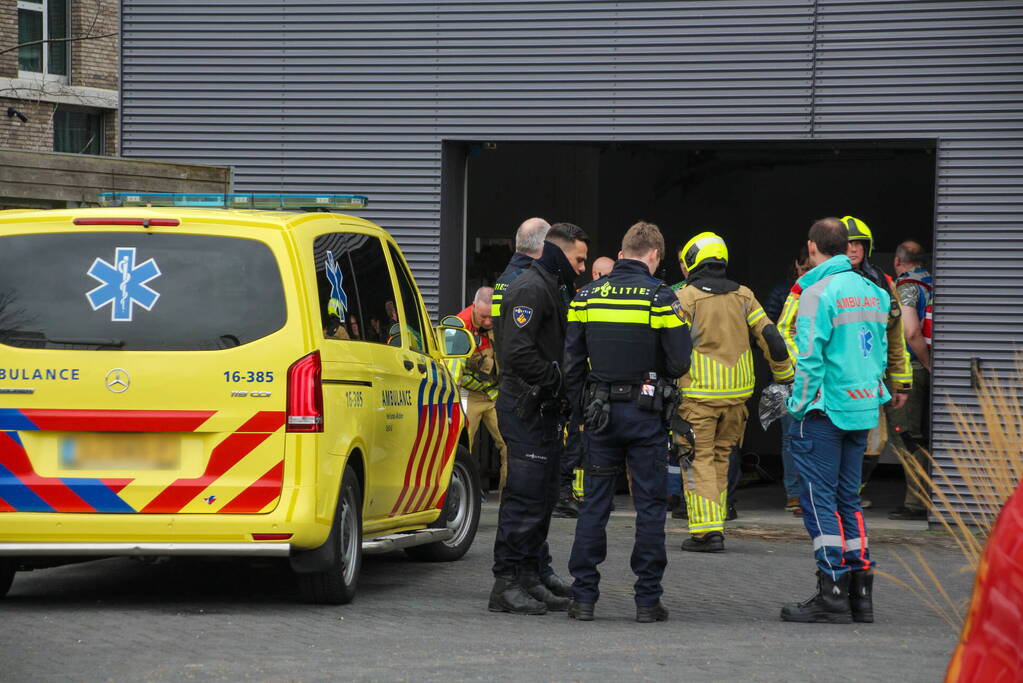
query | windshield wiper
[27, 337]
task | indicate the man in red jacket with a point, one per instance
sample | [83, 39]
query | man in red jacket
[479, 374]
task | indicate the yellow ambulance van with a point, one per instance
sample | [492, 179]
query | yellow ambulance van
[180, 376]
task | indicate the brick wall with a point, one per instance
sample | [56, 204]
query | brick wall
[94, 63]
[8, 38]
[34, 135]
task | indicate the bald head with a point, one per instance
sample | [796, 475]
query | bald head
[529, 237]
[602, 266]
[481, 307]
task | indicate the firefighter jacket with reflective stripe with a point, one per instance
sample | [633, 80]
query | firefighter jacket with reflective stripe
[478, 372]
[900, 373]
[626, 324]
[843, 348]
[721, 322]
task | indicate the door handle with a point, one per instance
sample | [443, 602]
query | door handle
[408, 364]
[422, 367]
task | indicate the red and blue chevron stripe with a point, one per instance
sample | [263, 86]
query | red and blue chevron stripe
[440, 421]
[22, 489]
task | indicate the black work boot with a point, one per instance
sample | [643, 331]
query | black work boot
[508, 596]
[581, 611]
[557, 585]
[567, 505]
[830, 605]
[529, 578]
[861, 596]
[713, 542]
[647, 614]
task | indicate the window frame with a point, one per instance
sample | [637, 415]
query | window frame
[101, 128]
[400, 269]
[43, 7]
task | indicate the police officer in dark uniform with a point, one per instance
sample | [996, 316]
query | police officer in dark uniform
[531, 408]
[528, 246]
[627, 343]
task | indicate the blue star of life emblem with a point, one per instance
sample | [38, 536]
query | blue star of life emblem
[124, 284]
[865, 341]
[338, 302]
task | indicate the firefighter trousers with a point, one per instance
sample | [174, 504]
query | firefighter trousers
[482, 409]
[718, 429]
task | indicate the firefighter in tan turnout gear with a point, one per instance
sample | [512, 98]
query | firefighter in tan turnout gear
[722, 315]
[478, 374]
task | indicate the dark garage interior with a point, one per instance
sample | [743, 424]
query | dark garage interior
[761, 197]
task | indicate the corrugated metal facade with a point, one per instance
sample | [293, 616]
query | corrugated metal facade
[359, 95]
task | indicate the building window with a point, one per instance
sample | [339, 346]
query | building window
[77, 131]
[46, 20]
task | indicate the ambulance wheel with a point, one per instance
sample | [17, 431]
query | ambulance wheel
[336, 585]
[461, 513]
[7, 569]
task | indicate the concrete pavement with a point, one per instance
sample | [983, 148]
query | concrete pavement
[119, 619]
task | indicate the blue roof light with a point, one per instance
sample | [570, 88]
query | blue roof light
[236, 200]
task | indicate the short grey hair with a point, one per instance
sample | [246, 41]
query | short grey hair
[484, 294]
[529, 237]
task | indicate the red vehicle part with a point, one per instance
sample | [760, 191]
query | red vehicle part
[991, 645]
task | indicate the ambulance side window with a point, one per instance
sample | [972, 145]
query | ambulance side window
[410, 303]
[355, 291]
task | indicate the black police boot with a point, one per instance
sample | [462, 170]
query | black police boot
[713, 542]
[509, 596]
[861, 596]
[581, 611]
[830, 605]
[529, 578]
[567, 505]
[677, 505]
[651, 613]
[557, 585]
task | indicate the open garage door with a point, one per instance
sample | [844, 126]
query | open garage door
[761, 197]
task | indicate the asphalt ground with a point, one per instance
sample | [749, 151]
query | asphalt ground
[119, 619]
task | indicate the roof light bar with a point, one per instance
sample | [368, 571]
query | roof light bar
[236, 200]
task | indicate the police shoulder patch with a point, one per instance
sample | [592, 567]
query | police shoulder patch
[522, 315]
[677, 307]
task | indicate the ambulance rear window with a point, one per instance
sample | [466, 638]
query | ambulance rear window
[137, 291]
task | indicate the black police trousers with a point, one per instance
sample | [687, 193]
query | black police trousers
[638, 438]
[534, 458]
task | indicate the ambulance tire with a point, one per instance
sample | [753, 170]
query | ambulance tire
[7, 569]
[336, 585]
[461, 513]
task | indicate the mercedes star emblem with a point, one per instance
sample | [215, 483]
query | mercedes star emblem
[118, 380]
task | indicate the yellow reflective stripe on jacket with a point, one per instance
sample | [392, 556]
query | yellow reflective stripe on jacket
[711, 379]
[665, 321]
[495, 305]
[755, 316]
[787, 324]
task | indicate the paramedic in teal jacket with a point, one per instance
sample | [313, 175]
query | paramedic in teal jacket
[841, 357]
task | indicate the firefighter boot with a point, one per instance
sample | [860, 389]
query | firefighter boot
[861, 596]
[509, 596]
[530, 580]
[829, 605]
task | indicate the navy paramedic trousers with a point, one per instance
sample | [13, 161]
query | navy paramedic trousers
[639, 438]
[829, 462]
[534, 460]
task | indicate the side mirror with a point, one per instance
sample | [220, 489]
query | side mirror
[456, 341]
[452, 321]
